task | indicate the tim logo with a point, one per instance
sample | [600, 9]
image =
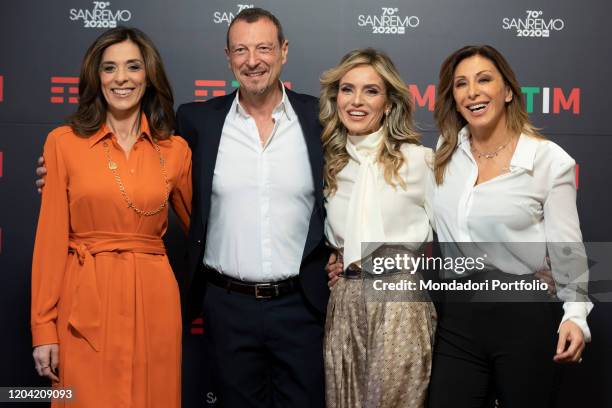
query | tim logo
[425, 99]
[207, 88]
[540, 100]
[226, 17]
[533, 24]
[64, 89]
[197, 326]
[210, 88]
[1, 88]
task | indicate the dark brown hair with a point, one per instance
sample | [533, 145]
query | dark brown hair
[157, 102]
[450, 121]
[251, 15]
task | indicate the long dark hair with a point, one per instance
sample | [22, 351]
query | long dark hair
[157, 102]
[450, 121]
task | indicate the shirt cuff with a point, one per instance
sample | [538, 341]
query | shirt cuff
[577, 312]
[44, 334]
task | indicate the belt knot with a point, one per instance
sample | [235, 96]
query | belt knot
[85, 315]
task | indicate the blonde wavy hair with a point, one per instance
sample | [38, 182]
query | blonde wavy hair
[397, 125]
[450, 121]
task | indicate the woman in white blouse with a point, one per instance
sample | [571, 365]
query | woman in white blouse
[498, 180]
[377, 352]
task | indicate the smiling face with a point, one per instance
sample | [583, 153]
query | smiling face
[123, 78]
[255, 56]
[480, 93]
[362, 100]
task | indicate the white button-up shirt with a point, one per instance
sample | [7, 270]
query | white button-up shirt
[262, 198]
[534, 202]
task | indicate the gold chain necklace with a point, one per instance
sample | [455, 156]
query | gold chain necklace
[113, 167]
[488, 155]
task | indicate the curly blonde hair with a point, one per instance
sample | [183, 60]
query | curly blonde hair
[397, 127]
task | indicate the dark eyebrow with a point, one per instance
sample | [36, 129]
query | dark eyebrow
[477, 74]
[127, 62]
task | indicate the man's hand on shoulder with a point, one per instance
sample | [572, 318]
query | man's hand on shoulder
[41, 172]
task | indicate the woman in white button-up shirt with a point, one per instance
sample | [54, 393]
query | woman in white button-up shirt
[498, 180]
[377, 351]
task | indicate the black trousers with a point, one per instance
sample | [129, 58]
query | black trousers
[265, 353]
[488, 351]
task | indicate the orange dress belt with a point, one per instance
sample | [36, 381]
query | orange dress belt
[85, 316]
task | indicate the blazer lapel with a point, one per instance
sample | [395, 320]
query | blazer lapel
[312, 135]
[209, 142]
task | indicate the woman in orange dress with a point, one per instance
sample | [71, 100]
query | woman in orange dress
[105, 304]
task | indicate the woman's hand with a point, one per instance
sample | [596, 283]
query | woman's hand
[571, 343]
[333, 269]
[545, 276]
[46, 360]
[41, 172]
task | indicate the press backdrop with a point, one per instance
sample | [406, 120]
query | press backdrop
[559, 49]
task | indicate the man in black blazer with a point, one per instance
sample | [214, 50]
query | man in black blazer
[256, 244]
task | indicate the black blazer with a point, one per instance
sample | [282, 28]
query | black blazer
[201, 125]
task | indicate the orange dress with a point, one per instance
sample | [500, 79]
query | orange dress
[102, 286]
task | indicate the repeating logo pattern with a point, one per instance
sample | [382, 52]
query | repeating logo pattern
[197, 326]
[533, 24]
[210, 88]
[388, 22]
[426, 99]
[226, 17]
[560, 99]
[64, 89]
[100, 16]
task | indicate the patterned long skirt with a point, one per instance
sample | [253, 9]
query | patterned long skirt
[378, 345]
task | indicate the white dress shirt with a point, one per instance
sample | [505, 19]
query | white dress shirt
[535, 202]
[365, 208]
[262, 198]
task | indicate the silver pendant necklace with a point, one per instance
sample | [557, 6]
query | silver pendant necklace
[491, 154]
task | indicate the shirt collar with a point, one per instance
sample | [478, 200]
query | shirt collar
[283, 107]
[463, 139]
[364, 147]
[524, 153]
[104, 131]
[369, 142]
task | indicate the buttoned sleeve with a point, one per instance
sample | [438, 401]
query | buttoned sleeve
[182, 190]
[51, 245]
[565, 247]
